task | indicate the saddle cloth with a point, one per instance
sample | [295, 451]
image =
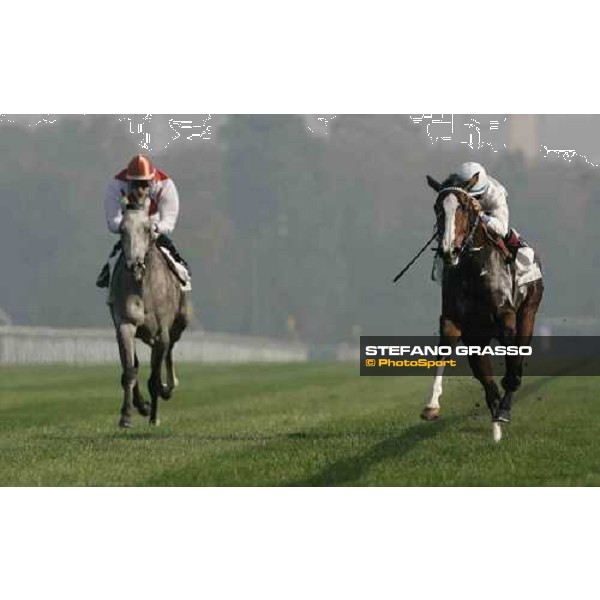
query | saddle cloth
[180, 271]
[526, 269]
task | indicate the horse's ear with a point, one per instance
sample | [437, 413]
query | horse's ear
[468, 186]
[433, 184]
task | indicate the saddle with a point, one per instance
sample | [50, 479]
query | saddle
[509, 245]
[524, 266]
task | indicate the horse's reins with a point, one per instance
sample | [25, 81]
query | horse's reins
[465, 245]
[137, 206]
[414, 260]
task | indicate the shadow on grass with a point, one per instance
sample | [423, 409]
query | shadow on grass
[351, 469]
[149, 434]
[529, 389]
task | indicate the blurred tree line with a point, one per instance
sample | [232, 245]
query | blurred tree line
[288, 233]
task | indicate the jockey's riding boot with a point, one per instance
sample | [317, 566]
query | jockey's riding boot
[512, 237]
[167, 243]
[512, 241]
[104, 277]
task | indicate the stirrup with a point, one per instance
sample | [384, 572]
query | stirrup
[104, 277]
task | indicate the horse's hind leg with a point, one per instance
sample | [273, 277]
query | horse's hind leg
[172, 381]
[178, 326]
[126, 341]
[512, 377]
[514, 364]
[155, 385]
[511, 382]
[483, 372]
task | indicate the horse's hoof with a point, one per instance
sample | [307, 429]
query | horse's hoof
[166, 392]
[496, 432]
[125, 422]
[430, 413]
[154, 422]
[143, 408]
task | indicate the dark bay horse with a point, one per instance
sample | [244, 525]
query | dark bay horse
[480, 301]
[146, 303]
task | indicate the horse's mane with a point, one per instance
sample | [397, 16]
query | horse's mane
[453, 180]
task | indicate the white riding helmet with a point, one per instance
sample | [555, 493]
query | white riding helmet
[467, 170]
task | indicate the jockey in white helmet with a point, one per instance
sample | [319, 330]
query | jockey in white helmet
[164, 210]
[491, 200]
[490, 197]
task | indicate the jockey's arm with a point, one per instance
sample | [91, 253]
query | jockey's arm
[112, 206]
[495, 212]
[168, 208]
[497, 222]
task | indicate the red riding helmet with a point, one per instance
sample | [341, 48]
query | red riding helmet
[140, 168]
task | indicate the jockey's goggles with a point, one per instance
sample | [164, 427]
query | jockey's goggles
[139, 183]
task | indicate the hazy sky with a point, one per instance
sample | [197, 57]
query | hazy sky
[362, 192]
[155, 133]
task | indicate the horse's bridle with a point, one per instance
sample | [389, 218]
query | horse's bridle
[132, 269]
[474, 223]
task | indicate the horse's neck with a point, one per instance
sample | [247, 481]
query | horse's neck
[482, 253]
[153, 253]
[157, 266]
[155, 261]
[480, 239]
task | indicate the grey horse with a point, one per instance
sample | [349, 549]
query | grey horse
[146, 302]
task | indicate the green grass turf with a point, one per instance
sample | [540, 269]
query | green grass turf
[305, 424]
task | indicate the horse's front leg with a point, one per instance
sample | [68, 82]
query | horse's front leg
[449, 334]
[431, 410]
[139, 402]
[483, 372]
[126, 341]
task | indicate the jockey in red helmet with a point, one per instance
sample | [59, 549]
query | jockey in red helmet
[141, 175]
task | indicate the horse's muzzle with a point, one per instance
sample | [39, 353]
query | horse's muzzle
[137, 268]
[451, 258]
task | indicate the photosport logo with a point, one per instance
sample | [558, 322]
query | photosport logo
[420, 363]
[387, 355]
